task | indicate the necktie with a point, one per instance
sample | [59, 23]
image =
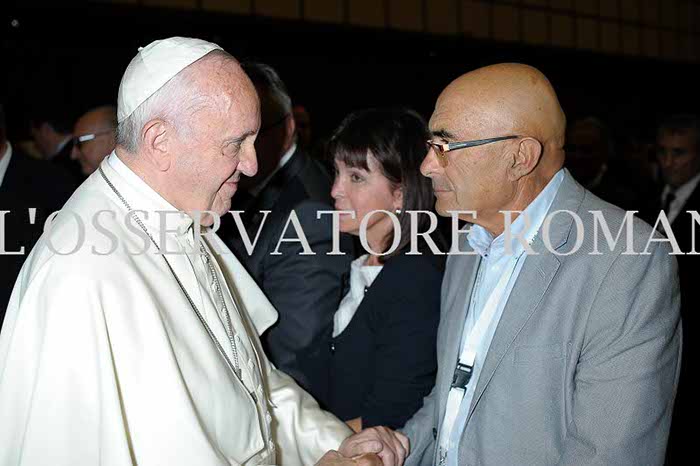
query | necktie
[670, 197]
[666, 207]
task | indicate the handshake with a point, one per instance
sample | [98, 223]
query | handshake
[375, 446]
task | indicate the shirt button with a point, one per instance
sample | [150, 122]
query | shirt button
[332, 347]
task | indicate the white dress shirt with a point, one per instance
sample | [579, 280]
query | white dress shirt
[5, 161]
[361, 278]
[495, 261]
[682, 194]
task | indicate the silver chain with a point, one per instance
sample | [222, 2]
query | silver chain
[235, 367]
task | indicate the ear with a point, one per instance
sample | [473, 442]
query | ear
[398, 198]
[525, 159]
[290, 130]
[156, 138]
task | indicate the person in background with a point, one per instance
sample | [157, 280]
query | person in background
[51, 124]
[302, 120]
[305, 289]
[590, 156]
[94, 137]
[25, 183]
[678, 156]
[383, 359]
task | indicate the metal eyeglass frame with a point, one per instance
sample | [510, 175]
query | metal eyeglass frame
[441, 148]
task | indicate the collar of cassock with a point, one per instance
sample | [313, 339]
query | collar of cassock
[155, 212]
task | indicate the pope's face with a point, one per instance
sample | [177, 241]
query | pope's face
[218, 145]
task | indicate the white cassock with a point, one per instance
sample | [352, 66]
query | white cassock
[103, 360]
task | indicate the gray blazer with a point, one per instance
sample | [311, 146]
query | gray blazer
[584, 364]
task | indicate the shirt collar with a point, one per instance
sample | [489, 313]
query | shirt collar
[141, 196]
[255, 190]
[5, 161]
[685, 190]
[485, 244]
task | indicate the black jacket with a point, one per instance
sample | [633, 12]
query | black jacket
[384, 362]
[28, 183]
[305, 289]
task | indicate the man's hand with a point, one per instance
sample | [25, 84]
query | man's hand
[333, 458]
[392, 447]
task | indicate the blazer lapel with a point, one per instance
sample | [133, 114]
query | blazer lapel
[537, 273]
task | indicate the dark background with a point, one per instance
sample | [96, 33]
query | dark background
[80, 51]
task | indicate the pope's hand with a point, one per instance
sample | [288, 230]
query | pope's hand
[392, 447]
[333, 458]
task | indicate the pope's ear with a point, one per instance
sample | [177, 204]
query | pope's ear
[156, 137]
[525, 159]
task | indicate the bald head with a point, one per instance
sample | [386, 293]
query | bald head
[509, 98]
[494, 102]
[95, 137]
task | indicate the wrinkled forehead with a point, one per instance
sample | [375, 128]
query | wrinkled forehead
[460, 114]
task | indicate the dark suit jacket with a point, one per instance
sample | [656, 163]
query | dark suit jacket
[384, 362]
[305, 289]
[68, 165]
[28, 183]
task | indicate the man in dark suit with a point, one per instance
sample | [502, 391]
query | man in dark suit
[51, 128]
[305, 289]
[590, 156]
[678, 155]
[25, 184]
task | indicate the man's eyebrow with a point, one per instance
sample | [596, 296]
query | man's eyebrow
[443, 133]
[240, 138]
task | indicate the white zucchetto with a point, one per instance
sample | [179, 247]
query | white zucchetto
[155, 65]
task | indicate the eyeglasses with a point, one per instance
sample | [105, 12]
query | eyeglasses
[441, 148]
[78, 141]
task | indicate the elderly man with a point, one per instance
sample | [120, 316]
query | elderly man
[548, 354]
[94, 137]
[132, 332]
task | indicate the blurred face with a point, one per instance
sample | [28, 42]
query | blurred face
[586, 152]
[678, 157]
[362, 191]
[218, 145]
[473, 178]
[272, 140]
[43, 138]
[90, 153]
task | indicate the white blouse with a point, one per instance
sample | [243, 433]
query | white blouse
[361, 278]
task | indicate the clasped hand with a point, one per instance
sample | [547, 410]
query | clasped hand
[375, 446]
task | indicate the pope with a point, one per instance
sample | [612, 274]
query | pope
[113, 357]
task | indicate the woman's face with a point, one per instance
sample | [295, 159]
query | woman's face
[362, 191]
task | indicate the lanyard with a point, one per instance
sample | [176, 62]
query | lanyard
[467, 358]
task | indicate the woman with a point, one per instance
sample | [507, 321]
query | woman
[383, 344]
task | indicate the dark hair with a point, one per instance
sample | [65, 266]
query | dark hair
[266, 78]
[397, 138]
[681, 123]
[52, 107]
